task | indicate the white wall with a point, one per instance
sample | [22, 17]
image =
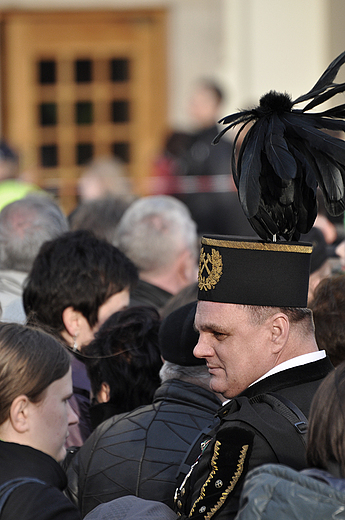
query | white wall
[274, 45]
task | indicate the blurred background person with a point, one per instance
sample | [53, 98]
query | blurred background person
[123, 363]
[198, 173]
[35, 385]
[328, 306]
[24, 226]
[13, 185]
[320, 260]
[101, 216]
[9, 162]
[76, 282]
[332, 227]
[158, 234]
[105, 177]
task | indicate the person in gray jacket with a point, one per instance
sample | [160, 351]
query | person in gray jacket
[139, 453]
[272, 491]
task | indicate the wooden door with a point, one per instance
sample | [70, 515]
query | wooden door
[79, 85]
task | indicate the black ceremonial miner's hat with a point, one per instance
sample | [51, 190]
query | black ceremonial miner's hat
[247, 271]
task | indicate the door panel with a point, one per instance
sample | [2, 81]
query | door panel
[81, 85]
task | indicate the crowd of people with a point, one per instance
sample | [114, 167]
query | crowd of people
[132, 399]
[143, 376]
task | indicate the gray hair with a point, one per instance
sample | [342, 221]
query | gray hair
[154, 231]
[24, 226]
[197, 375]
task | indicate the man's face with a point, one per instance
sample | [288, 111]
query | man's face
[235, 348]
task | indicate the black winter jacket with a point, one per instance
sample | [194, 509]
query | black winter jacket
[139, 453]
[34, 501]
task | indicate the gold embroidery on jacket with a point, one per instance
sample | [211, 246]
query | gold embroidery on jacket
[210, 477]
[228, 490]
[233, 483]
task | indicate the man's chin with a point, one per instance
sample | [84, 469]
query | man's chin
[216, 386]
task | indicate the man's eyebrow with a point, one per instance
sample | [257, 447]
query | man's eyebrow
[210, 327]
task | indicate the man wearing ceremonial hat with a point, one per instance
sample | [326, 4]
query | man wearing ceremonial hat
[257, 337]
[256, 334]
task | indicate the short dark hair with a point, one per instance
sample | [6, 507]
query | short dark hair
[326, 432]
[328, 306]
[78, 270]
[125, 355]
[30, 360]
[259, 314]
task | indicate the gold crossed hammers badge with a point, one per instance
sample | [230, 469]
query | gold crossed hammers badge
[210, 269]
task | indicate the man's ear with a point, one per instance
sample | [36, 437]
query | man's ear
[20, 414]
[280, 327]
[104, 393]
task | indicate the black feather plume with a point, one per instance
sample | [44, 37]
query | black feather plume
[286, 154]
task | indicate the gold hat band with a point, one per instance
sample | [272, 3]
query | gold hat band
[258, 246]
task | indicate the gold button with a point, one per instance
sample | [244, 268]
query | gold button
[183, 491]
[219, 483]
[179, 504]
[202, 509]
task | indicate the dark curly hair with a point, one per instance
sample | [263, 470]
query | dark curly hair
[125, 355]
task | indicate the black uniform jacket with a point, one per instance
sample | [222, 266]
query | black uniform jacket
[214, 486]
[34, 501]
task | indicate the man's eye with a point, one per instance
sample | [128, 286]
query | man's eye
[219, 335]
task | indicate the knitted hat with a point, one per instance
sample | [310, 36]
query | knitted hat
[177, 337]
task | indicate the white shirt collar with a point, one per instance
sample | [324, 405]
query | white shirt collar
[290, 363]
[294, 362]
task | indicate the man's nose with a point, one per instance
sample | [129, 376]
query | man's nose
[202, 349]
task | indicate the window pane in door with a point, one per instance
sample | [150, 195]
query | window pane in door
[47, 72]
